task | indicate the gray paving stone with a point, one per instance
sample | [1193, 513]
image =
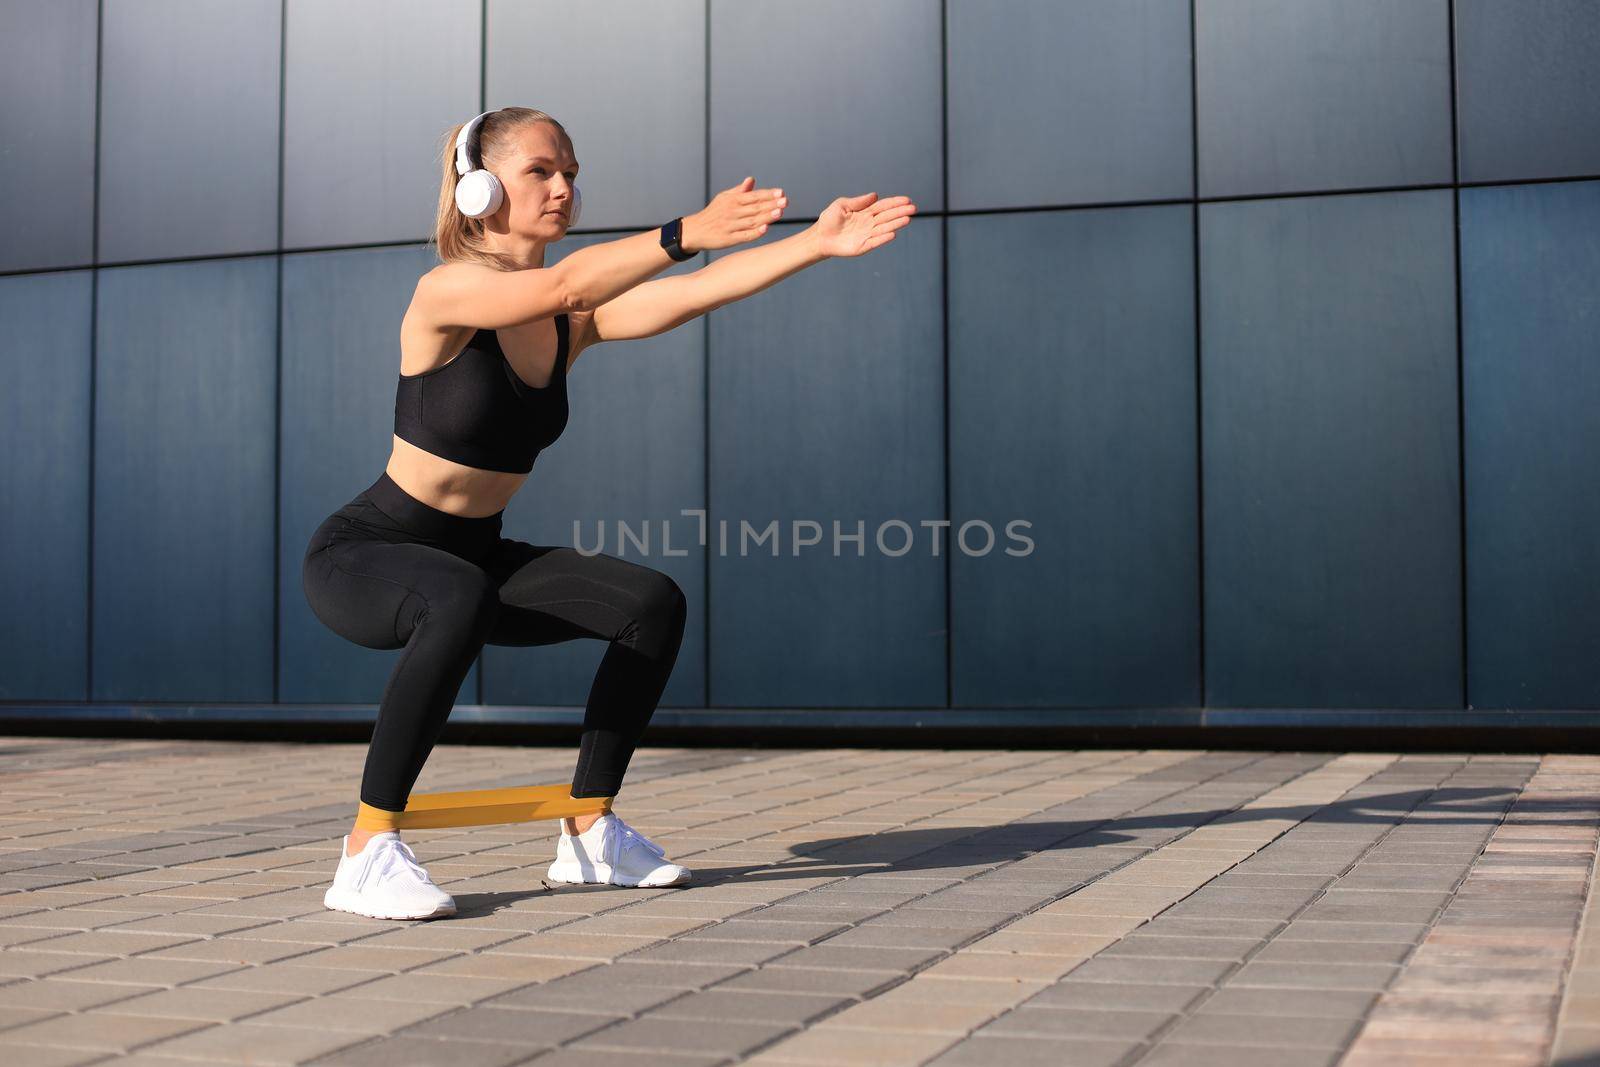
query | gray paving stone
[751, 1006]
[809, 913]
[1421, 880]
[266, 1044]
[987, 899]
[1116, 996]
[1556, 919]
[616, 1057]
[1190, 1055]
[1505, 917]
[1313, 930]
[1283, 1030]
[785, 932]
[919, 882]
[1411, 898]
[856, 892]
[1205, 948]
[810, 980]
[1151, 970]
[509, 1026]
[60, 995]
[221, 1005]
[970, 919]
[1373, 976]
[1400, 862]
[951, 870]
[651, 1032]
[1222, 908]
[1334, 952]
[1525, 859]
[711, 950]
[1263, 863]
[666, 974]
[1077, 1023]
[413, 1051]
[1330, 856]
[1255, 929]
[858, 958]
[985, 1051]
[903, 936]
[1234, 894]
[1418, 851]
[1314, 1003]
[1241, 878]
[594, 997]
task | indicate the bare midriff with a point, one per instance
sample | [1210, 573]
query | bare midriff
[450, 486]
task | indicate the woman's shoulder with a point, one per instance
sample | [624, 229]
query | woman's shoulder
[455, 272]
[460, 293]
[434, 288]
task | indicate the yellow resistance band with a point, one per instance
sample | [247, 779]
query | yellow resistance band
[481, 807]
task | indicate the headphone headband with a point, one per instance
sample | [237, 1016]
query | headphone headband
[464, 162]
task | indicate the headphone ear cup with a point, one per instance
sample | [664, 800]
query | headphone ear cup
[577, 207]
[479, 194]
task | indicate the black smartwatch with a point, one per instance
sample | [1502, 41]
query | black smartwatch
[670, 235]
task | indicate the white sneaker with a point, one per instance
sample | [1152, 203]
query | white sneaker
[384, 881]
[613, 852]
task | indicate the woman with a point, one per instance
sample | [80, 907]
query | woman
[416, 560]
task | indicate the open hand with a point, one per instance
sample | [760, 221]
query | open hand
[853, 225]
[738, 214]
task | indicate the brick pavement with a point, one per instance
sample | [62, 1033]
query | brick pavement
[161, 904]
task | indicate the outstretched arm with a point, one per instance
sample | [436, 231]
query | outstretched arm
[850, 226]
[666, 303]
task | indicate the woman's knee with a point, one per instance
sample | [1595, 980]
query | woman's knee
[663, 611]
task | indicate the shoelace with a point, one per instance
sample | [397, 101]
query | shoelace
[395, 859]
[627, 837]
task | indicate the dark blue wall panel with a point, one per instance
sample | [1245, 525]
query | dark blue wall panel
[1321, 94]
[633, 451]
[363, 126]
[1072, 407]
[44, 485]
[47, 87]
[189, 128]
[341, 361]
[827, 404]
[1067, 101]
[185, 402]
[651, 45]
[1331, 499]
[1530, 330]
[828, 98]
[1528, 78]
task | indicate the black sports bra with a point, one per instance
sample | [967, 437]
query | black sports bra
[475, 410]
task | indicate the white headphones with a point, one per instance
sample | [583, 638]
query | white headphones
[478, 192]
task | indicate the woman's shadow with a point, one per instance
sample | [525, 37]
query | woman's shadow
[1064, 843]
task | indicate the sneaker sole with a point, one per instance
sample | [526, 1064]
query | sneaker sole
[342, 901]
[566, 872]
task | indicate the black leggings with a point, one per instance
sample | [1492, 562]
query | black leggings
[389, 571]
